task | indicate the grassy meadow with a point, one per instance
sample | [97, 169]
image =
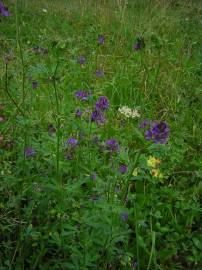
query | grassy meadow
[100, 134]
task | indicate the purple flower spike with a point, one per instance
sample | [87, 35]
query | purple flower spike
[124, 216]
[123, 168]
[78, 113]
[34, 84]
[112, 145]
[82, 95]
[29, 152]
[72, 142]
[101, 39]
[99, 73]
[3, 10]
[102, 103]
[158, 132]
[97, 116]
[81, 60]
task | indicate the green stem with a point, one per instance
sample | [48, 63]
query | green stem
[8, 93]
[58, 125]
[19, 45]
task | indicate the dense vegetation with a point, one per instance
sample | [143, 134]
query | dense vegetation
[100, 143]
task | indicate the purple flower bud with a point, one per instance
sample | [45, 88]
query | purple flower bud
[3, 10]
[29, 152]
[112, 145]
[72, 142]
[123, 168]
[81, 60]
[82, 95]
[140, 44]
[97, 116]
[78, 113]
[102, 103]
[145, 123]
[99, 73]
[101, 39]
[93, 176]
[34, 84]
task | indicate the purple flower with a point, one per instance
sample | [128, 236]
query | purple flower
[145, 123]
[97, 116]
[112, 145]
[29, 152]
[3, 10]
[93, 176]
[99, 73]
[78, 113]
[123, 168]
[83, 95]
[102, 103]
[81, 60]
[72, 142]
[101, 39]
[34, 84]
[139, 44]
[124, 216]
[158, 132]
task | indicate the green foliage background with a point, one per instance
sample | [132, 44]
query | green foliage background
[52, 214]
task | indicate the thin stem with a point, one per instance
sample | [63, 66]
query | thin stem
[153, 245]
[137, 240]
[58, 124]
[19, 45]
[8, 93]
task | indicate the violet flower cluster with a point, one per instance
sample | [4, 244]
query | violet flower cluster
[101, 106]
[83, 95]
[29, 152]
[112, 146]
[3, 10]
[156, 131]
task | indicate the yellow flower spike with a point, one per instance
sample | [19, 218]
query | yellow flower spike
[153, 162]
[135, 172]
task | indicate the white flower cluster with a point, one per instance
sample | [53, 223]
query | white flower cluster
[129, 113]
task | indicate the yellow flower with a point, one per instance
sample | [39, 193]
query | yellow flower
[153, 162]
[135, 172]
[157, 173]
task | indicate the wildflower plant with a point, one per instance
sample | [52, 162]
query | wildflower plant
[87, 183]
